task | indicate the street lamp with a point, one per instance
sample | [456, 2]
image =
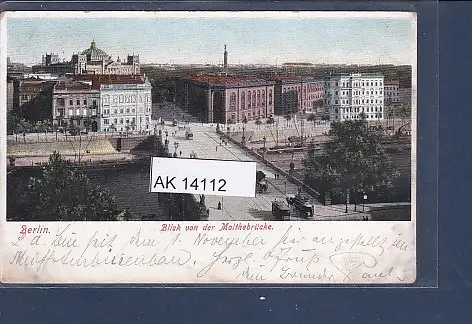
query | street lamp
[363, 201]
[176, 145]
[243, 139]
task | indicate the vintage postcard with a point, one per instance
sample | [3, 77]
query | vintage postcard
[208, 147]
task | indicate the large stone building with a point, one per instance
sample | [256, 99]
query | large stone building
[103, 103]
[96, 61]
[225, 99]
[125, 104]
[75, 103]
[349, 95]
[92, 60]
[298, 94]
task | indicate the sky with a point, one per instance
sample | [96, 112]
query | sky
[201, 40]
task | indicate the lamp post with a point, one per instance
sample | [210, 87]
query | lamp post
[363, 202]
[243, 139]
[176, 145]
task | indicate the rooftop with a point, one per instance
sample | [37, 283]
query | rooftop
[227, 80]
[93, 82]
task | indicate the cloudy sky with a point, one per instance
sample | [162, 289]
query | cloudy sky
[250, 39]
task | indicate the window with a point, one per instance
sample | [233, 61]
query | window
[115, 99]
[85, 102]
[249, 99]
[121, 121]
[127, 110]
[243, 100]
[127, 99]
[78, 102]
[270, 97]
[133, 110]
[115, 121]
[77, 112]
[121, 98]
[106, 121]
[336, 93]
[254, 98]
[121, 110]
[258, 97]
[71, 102]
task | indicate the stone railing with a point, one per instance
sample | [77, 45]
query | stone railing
[270, 164]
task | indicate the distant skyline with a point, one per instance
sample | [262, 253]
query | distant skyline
[201, 40]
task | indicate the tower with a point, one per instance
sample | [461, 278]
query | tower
[225, 59]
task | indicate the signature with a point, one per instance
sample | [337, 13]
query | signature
[222, 258]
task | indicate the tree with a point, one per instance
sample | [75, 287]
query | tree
[353, 161]
[64, 193]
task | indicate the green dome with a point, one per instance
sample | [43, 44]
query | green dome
[94, 52]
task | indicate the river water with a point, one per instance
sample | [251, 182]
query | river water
[128, 184]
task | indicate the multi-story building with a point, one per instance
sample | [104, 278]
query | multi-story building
[347, 96]
[92, 60]
[75, 104]
[96, 61]
[391, 89]
[125, 104]
[103, 103]
[294, 94]
[226, 99]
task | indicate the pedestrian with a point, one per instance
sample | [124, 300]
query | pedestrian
[216, 148]
[180, 153]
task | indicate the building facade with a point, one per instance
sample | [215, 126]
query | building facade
[75, 104]
[103, 103]
[391, 90]
[96, 61]
[226, 99]
[347, 96]
[92, 60]
[298, 94]
[125, 105]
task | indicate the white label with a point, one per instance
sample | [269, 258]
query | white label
[211, 177]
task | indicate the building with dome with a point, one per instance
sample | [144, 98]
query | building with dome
[93, 60]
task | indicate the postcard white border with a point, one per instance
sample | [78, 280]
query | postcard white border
[332, 227]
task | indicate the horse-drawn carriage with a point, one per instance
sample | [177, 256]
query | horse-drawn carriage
[261, 182]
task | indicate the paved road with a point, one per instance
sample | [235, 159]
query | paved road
[206, 144]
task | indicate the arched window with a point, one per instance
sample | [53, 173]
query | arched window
[270, 97]
[254, 98]
[263, 97]
[243, 100]
[249, 99]
[232, 101]
[258, 97]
